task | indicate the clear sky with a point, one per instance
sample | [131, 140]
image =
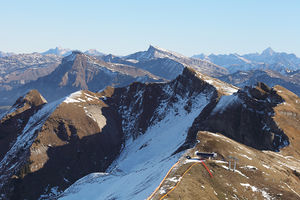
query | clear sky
[125, 26]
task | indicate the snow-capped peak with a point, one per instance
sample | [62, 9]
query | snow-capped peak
[58, 51]
[268, 52]
[94, 52]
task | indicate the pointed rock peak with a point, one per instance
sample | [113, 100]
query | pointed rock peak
[162, 53]
[262, 86]
[58, 48]
[154, 48]
[188, 72]
[261, 91]
[222, 87]
[159, 49]
[268, 52]
[32, 98]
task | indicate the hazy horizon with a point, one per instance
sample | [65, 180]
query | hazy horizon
[124, 27]
[83, 50]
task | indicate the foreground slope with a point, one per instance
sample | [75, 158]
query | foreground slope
[258, 175]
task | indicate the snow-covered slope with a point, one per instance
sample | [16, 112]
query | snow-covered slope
[151, 141]
[144, 161]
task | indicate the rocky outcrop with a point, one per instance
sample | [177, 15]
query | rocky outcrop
[247, 117]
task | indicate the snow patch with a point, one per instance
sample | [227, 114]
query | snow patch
[245, 156]
[255, 189]
[72, 98]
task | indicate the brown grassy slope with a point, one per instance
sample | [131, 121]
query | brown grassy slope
[262, 170]
[287, 117]
[78, 138]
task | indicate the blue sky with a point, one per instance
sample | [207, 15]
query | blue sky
[122, 27]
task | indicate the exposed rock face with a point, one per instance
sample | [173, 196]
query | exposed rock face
[141, 105]
[247, 117]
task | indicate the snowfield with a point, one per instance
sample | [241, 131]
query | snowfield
[143, 162]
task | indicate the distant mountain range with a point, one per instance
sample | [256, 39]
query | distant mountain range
[165, 63]
[58, 51]
[22, 72]
[19, 69]
[80, 71]
[3, 54]
[100, 126]
[65, 52]
[267, 60]
[290, 80]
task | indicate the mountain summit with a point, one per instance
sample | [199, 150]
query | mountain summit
[268, 52]
[154, 52]
[58, 51]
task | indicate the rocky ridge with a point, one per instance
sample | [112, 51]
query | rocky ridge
[135, 132]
